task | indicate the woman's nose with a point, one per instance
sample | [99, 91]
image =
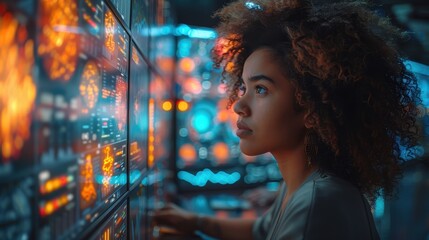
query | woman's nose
[241, 107]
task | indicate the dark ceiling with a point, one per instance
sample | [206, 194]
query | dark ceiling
[410, 15]
[197, 12]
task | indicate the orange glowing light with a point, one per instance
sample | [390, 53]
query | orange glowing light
[188, 153]
[229, 67]
[110, 24]
[58, 38]
[222, 214]
[55, 184]
[221, 152]
[88, 192]
[18, 90]
[134, 148]
[249, 214]
[107, 167]
[121, 103]
[166, 64]
[182, 106]
[151, 146]
[167, 106]
[192, 85]
[135, 56]
[90, 84]
[53, 205]
[223, 116]
[106, 234]
[187, 65]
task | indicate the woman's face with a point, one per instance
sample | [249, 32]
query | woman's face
[267, 121]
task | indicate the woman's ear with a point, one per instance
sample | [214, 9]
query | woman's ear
[310, 119]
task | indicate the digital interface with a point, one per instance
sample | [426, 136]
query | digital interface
[123, 8]
[64, 116]
[208, 153]
[140, 23]
[139, 119]
[84, 104]
[115, 227]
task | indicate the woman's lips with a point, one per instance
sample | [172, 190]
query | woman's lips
[243, 130]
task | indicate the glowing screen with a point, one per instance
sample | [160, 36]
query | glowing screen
[63, 115]
[115, 227]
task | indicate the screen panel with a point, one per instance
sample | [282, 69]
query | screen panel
[140, 24]
[64, 159]
[114, 227]
[123, 7]
[139, 98]
[81, 115]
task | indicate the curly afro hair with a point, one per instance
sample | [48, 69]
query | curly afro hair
[360, 97]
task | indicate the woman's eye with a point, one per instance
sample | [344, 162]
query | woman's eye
[261, 90]
[241, 90]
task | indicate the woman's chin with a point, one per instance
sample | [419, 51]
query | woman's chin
[250, 151]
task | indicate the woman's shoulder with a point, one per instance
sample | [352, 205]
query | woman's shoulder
[338, 209]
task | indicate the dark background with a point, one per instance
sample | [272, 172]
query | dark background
[411, 16]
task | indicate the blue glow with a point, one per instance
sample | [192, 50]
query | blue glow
[134, 176]
[184, 48]
[202, 33]
[424, 94]
[273, 186]
[153, 178]
[417, 67]
[379, 207]
[183, 29]
[114, 180]
[203, 177]
[420, 69]
[201, 121]
[414, 152]
[253, 6]
[161, 30]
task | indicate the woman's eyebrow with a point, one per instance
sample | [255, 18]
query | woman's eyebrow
[260, 77]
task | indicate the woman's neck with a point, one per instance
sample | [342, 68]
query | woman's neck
[294, 168]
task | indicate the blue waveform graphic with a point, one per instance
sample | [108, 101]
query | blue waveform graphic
[201, 178]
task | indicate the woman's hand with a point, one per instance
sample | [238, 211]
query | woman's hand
[176, 217]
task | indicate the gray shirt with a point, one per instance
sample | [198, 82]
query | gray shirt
[324, 207]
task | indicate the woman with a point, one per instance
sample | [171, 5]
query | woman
[321, 88]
